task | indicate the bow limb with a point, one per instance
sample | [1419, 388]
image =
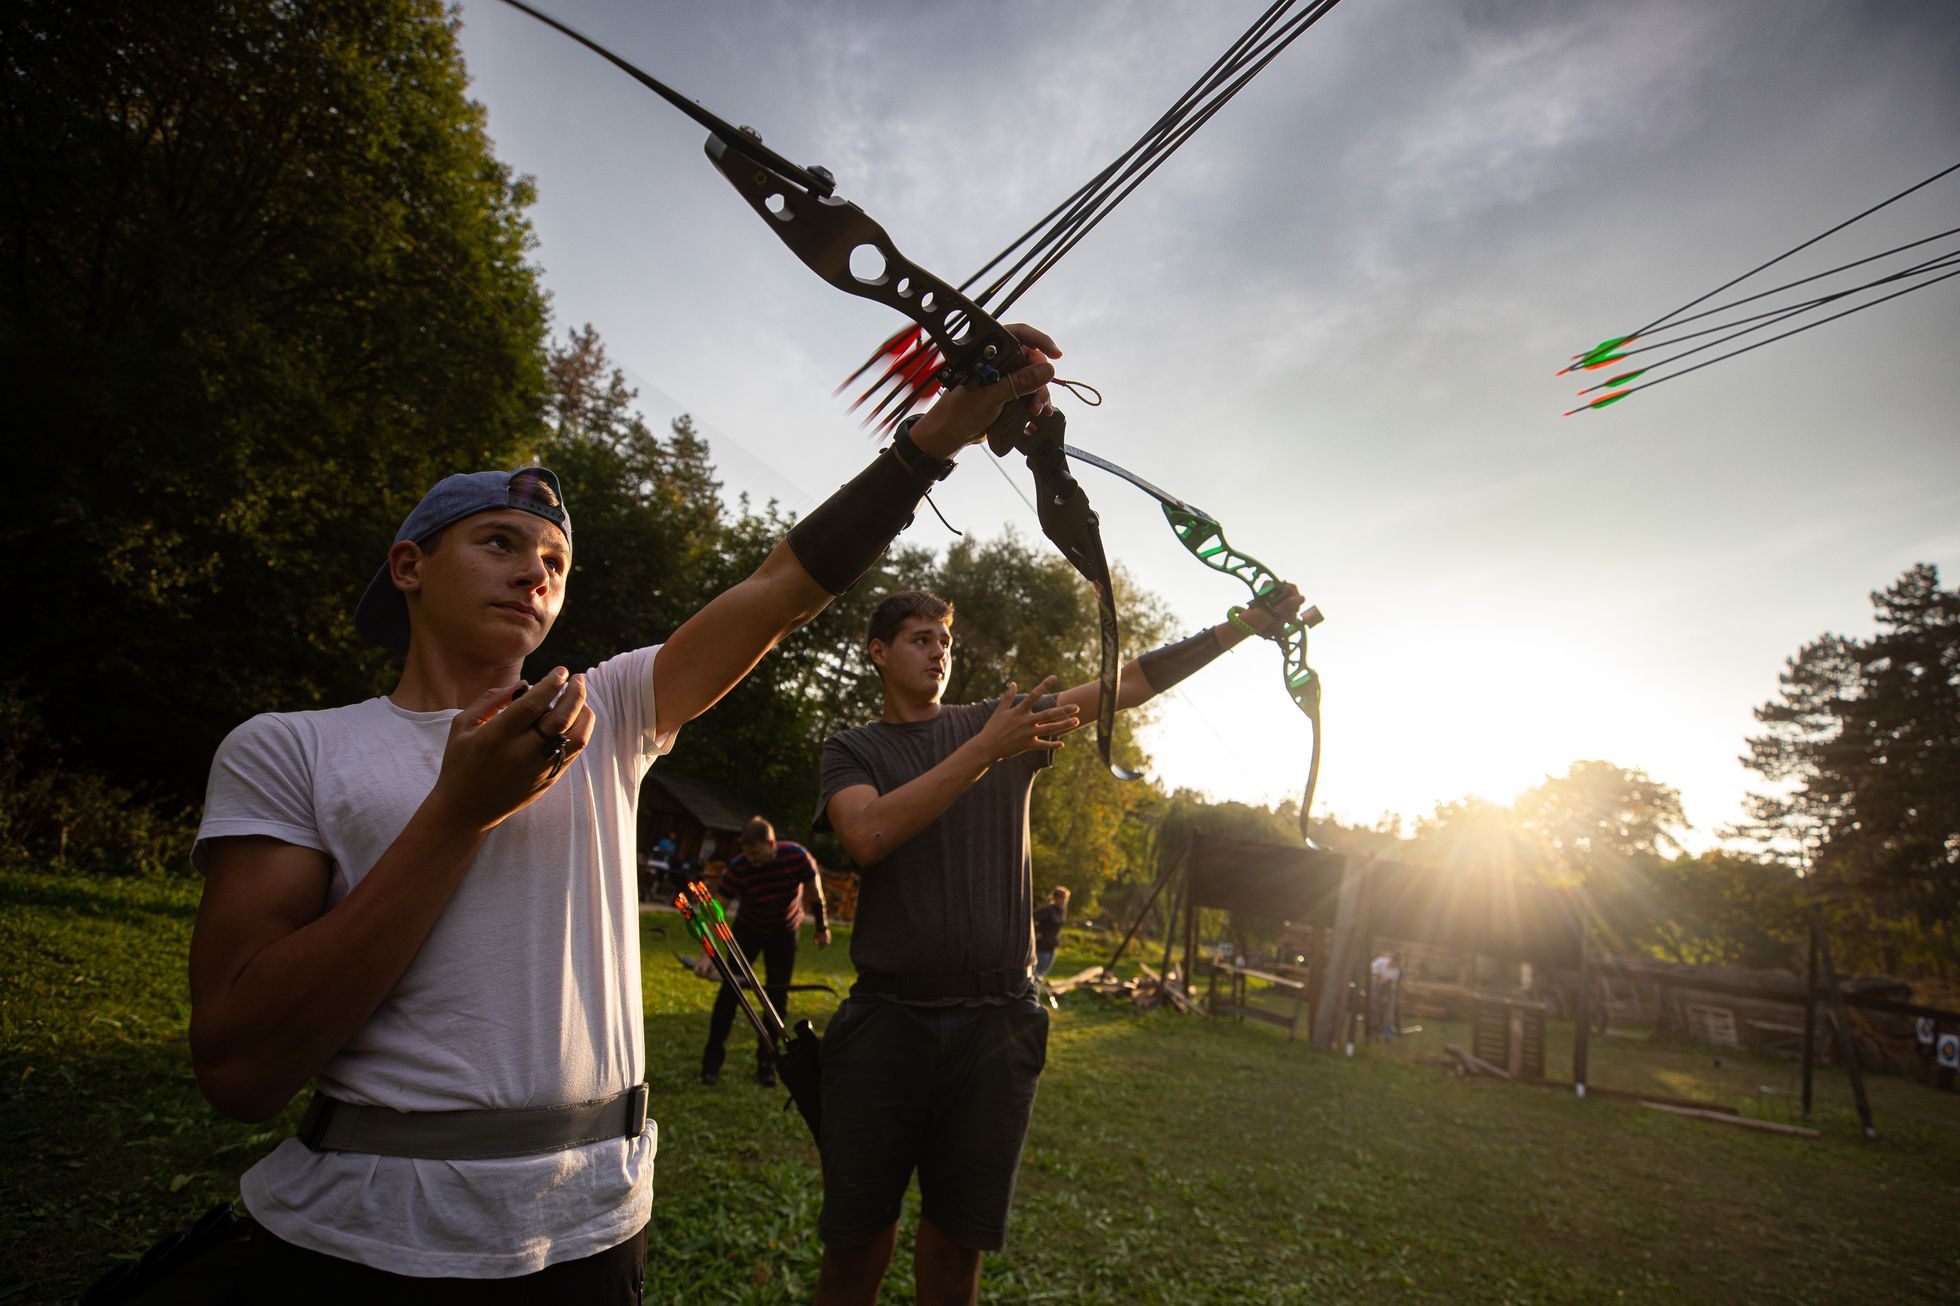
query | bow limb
[1201, 535]
[1069, 521]
[842, 244]
[747, 142]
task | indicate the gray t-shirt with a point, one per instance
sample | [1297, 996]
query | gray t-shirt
[958, 895]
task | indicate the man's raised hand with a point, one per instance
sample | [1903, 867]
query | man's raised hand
[1016, 727]
[962, 415]
[1273, 609]
[511, 745]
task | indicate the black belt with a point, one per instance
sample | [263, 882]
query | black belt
[331, 1125]
[921, 986]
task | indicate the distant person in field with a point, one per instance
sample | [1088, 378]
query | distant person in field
[1048, 921]
[424, 903]
[930, 1064]
[774, 881]
[1386, 971]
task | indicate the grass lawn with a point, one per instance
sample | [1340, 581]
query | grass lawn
[1172, 1159]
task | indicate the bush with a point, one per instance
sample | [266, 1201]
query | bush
[76, 819]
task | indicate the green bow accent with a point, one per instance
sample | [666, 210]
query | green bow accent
[1199, 532]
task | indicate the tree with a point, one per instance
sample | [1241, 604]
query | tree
[263, 282]
[1863, 742]
[649, 532]
[1598, 817]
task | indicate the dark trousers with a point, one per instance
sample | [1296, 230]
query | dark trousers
[296, 1274]
[774, 955]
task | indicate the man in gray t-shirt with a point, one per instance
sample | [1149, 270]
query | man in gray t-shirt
[931, 1063]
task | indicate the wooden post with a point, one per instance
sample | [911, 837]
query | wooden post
[1333, 1004]
[1847, 1045]
[1810, 1017]
[1190, 929]
[1169, 874]
[1170, 926]
[1582, 1028]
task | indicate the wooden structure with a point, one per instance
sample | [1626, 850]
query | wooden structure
[1335, 906]
[1235, 1002]
[1510, 1032]
[703, 819]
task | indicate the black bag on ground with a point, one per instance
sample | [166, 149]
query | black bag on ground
[208, 1262]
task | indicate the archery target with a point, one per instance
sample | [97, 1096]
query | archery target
[1928, 1030]
[1948, 1054]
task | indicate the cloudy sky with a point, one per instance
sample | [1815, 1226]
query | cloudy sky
[1333, 321]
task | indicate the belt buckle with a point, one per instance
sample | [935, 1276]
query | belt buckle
[636, 1112]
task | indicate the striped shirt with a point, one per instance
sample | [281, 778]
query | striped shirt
[772, 893]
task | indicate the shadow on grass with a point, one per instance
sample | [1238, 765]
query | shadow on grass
[125, 901]
[107, 1152]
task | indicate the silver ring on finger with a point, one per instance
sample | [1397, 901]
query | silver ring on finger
[556, 753]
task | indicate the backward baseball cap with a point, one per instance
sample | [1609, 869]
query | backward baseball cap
[381, 617]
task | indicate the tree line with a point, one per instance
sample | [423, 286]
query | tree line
[266, 281]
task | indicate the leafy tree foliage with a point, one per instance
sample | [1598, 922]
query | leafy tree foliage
[1598, 817]
[648, 527]
[1863, 744]
[263, 282]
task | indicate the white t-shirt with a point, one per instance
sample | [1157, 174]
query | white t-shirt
[525, 994]
[1385, 969]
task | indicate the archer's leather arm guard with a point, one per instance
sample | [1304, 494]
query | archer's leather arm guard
[848, 532]
[1166, 666]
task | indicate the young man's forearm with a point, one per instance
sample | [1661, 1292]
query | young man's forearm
[267, 1029]
[1138, 687]
[890, 819]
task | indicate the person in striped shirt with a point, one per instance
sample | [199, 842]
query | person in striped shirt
[772, 879]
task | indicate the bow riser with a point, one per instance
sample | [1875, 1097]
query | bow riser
[825, 232]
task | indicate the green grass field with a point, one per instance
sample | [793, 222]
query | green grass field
[1172, 1159]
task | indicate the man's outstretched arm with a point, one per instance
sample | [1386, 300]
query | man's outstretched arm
[1151, 674]
[830, 549]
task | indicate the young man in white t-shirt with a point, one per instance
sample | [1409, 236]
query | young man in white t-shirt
[425, 903]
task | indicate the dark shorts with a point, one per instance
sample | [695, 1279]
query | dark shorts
[945, 1091]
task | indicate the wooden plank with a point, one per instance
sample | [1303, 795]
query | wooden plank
[1277, 981]
[1628, 1095]
[1792, 998]
[1745, 1122]
[1162, 880]
[1476, 1065]
[1240, 1009]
